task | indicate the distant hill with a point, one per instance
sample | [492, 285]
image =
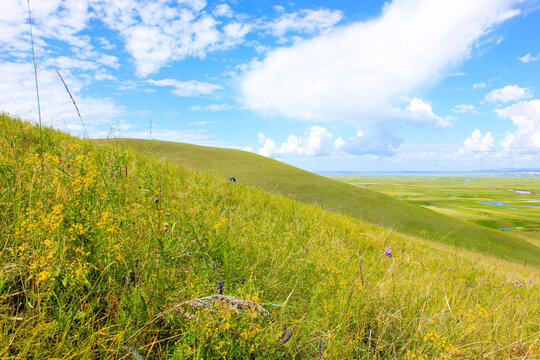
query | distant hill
[370, 206]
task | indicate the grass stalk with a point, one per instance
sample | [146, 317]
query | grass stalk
[35, 65]
[73, 101]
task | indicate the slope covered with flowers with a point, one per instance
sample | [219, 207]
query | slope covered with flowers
[107, 253]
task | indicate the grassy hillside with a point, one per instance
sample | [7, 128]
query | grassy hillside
[106, 252]
[363, 204]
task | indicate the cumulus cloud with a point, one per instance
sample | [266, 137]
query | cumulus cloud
[223, 10]
[371, 141]
[478, 142]
[361, 68]
[419, 112]
[305, 21]
[61, 20]
[314, 144]
[190, 88]
[339, 142]
[508, 93]
[235, 32]
[528, 58]
[158, 33]
[526, 117]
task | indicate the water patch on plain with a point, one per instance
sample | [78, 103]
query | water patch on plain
[526, 192]
[500, 203]
[511, 228]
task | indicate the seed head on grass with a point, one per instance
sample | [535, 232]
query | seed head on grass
[133, 352]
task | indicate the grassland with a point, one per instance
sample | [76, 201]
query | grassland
[504, 203]
[371, 206]
[102, 246]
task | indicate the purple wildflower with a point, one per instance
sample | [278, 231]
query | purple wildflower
[219, 288]
[530, 280]
[388, 251]
[287, 334]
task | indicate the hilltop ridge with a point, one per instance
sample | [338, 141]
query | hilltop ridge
[373, 207]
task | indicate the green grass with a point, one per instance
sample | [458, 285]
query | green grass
[374, 207]
[87, 264]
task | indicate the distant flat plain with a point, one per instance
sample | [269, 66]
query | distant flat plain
[504, 203]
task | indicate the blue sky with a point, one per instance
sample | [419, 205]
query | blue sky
[418, 85]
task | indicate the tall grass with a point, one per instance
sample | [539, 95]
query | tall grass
[87, 269]
[35, 68]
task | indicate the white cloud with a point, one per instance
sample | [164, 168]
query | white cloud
[18, 97]
[190, 88]
[196, 5]
[223, 10]
[234, 33]
[211, 107]
[59, 19]
[339, 142]
[464, 108]
[508, 93]
[526, 117]
[269, 146]
[54, 22]
[159, 33]
[479, 85]
[529, 58]
[357, 70]
[315, 144]
[108, 60]
[305, 21]
[478, 142]
[65, 62]
[419, 112]
[371, 141]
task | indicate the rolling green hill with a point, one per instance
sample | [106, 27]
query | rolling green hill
[277, 177]
[108, 253]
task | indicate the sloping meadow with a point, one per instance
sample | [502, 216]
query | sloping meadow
[107, 253]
